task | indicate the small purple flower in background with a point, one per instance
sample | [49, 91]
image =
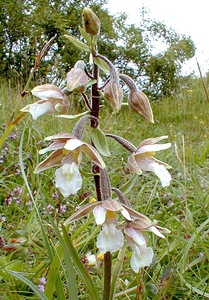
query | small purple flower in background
[43, 280]
[42, 284]
[13, 196]
[41, 288]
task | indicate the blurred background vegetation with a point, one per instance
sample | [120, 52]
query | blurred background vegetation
[26, 24]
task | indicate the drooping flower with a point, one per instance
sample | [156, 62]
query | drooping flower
[76, 78]
[142, 159]
[142, 255]
[110, 238]
[52, 101]
[67, 149]
[67, 153]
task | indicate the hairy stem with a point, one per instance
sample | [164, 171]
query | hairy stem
[107, 275]
[95, 97]
[97, 181]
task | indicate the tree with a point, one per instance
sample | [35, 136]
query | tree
[26, 24]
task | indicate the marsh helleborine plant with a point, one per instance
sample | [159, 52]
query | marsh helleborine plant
[67, 150]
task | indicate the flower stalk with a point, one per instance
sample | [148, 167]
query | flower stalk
[67, 149]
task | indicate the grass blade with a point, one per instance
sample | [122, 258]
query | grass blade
[30, 284]
[79, 267]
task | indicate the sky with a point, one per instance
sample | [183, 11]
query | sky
[187, 17]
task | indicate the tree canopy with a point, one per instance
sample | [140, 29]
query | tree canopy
[26, 24]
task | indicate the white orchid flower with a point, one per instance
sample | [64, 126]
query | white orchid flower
[142, 159]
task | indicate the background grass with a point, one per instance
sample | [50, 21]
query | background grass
[180, 269]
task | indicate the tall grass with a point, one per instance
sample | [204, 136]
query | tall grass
[180, 269]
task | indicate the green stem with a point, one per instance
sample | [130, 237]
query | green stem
[107, 275]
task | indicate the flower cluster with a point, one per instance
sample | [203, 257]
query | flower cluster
[111, 238]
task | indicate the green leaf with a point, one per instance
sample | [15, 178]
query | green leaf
[30, 284]
[80, 45]
[102, 64]
[79, 266]
[85, 35]
[99, 140]
[71, 281]
[25, 178]
[71, 117]
[127, 187]
[53, 273]
[116, 271]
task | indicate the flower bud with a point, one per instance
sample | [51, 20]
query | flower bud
[77, 78]
[138, 102]
[114, 94]
[90, 22]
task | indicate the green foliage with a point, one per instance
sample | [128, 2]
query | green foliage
[180, 270]
[25, 25]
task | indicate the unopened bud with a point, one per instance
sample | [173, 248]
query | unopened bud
[114, 94]
[90, 22]
[138, 102]
[77, 78]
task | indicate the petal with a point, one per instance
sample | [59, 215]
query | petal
[93, 154]
[109, 239]
[152, 141]
[73, 144]
[47, 91]
[52, 160]
[157, 169]
[60, 136]
[142, 261]
[132, 165]
[126, 214]
[68, 179]
[38, 109]
[99, 214]
[156, 231]
[53, 146]
[135, 235]
[152, 148]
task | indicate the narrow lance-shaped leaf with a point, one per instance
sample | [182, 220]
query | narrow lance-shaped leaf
[85, 35]
[80, 45]
[79, 266]
[99, 140]
[102, 65]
